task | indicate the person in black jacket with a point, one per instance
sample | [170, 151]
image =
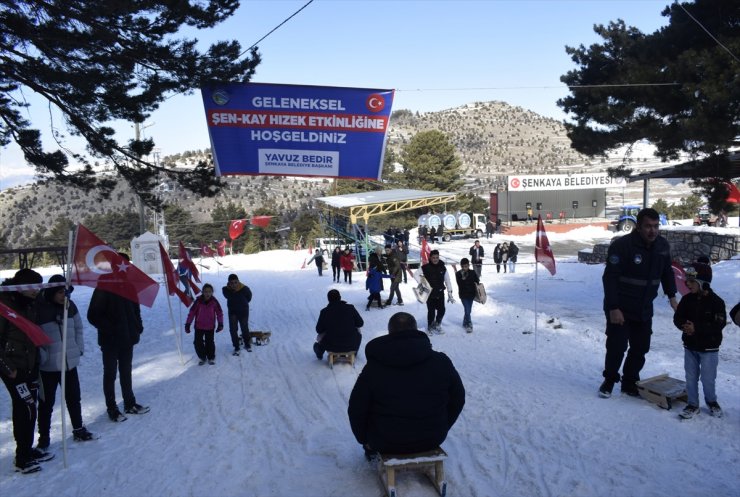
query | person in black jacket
[438, 278]
[407, 396]
[467, 286]
[119, 325]
[701, 316]
[477, 254]
[498, 257]
[19, 370]
[238, 296]
[636, 264]
[336, 264]
[338, 327]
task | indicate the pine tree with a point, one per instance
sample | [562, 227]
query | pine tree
[430, 162]
[98, 62]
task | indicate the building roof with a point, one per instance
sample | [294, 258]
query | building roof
[378, 197]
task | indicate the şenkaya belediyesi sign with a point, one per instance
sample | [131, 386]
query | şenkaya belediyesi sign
[294, 130]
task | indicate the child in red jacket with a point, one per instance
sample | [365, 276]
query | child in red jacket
[207, 314]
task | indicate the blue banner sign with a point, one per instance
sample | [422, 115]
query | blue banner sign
[292, 130]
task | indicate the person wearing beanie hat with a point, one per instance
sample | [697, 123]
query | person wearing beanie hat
[19, 369]
[701, 316]
[50, 318]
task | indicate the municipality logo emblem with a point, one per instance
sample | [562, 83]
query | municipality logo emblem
[638, 259]
[220, 97]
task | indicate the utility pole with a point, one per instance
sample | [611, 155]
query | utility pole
[137, 135]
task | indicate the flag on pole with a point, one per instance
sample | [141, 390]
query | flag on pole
[187, 262]
[542, 250]
[261, 221]
[680, 275]
[172, 277]
[206, 251]
[221, 248]
[236, 228]
[32, 330]
[98, 266]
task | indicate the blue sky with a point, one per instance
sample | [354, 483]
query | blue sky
[437, 54]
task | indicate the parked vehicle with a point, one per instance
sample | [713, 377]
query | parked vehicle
[705, 217]
[460, 224]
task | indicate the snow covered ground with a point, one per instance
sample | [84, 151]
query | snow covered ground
[274, 422]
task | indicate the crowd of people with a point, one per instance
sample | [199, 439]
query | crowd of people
[407, 396]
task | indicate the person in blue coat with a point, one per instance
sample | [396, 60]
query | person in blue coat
[374, 284]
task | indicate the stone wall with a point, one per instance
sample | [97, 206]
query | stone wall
[686, 245]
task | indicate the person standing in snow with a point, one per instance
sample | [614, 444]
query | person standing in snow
[348, 264]
[512, 252]
[467, 282]
[477, 254]
[50, 317]
[438, 278]
[238, 296]
[338, 327]
[396, 273]
[207, 314]
[336, 264]
[374, 284]
[119, 325]
[408, 396]
[318, 259]
[701, 316]
[636, 264]
[19, 369]
[498, 257]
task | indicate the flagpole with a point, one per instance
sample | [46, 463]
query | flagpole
[71, 241]
[536, 269]
[175, 328]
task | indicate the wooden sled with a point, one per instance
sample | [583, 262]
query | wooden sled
[422, 290]
[431, 463]
[260, 337]
[341, 357]
[662, 390]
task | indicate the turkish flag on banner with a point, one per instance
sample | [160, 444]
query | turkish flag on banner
[32, 330]
[206, 251]
[425, 250]
[680, 276]
[186, 261]
[261, 221]
[98, 266]
[221, 248]
[236, 228]
[172, 277]
[542, 250]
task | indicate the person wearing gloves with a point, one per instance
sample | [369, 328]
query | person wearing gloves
[238, 296]
[19, 370]
[50, 315]
[207, 314]
[438, 278]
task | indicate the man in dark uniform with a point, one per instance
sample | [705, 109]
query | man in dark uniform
[636, 265]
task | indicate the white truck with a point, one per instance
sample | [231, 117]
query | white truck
[459, 224]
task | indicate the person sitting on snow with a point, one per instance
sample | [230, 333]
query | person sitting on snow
[407, 396]
[338, 327]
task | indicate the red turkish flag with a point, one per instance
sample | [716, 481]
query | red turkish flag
[206, 251]
[221, 248]
[733, 194]
[32, 330]
[186, 261]
[98, 266]
[261, 221]
[236, 228]
[172, 277]
[425, 250]
[680, 275]
[542, 250]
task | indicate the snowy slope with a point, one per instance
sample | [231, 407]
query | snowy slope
[274, 422]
